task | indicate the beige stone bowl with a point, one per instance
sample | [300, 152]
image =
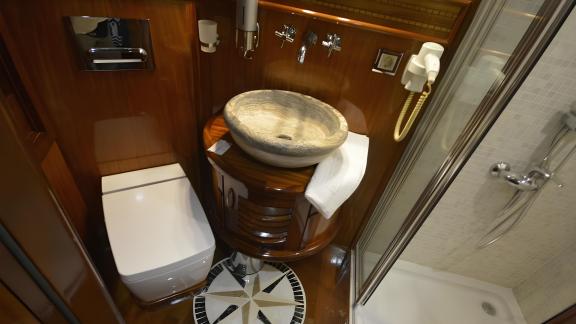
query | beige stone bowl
[284, 128]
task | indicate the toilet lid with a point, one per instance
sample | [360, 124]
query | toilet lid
[155, 228]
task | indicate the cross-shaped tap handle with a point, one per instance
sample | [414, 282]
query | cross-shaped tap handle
[333, 43]
[286, 34]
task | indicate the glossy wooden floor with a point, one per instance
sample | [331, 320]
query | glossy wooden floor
[326, 298]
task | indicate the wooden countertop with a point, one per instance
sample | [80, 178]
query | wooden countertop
[248, 170]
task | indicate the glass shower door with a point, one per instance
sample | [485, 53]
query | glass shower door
[500, 244]
[479, 64]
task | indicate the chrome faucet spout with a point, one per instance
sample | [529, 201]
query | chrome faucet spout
[309, 39]
[301, 54]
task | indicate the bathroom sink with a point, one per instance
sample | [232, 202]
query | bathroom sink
[284, 128]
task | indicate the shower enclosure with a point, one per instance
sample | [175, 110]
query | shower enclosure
[477, 224]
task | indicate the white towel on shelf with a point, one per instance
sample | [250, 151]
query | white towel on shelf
[337, 176]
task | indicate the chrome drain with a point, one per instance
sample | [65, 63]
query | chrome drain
[489, 308]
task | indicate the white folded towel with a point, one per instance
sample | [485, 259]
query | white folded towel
[337, 176]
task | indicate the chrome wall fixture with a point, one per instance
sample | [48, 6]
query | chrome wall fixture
[333, 43]
[529, 184]
[533, 179]
[309, 40]
[247, 28]
[286, 34]
[110, 44]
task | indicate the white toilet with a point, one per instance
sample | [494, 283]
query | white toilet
[160, 237]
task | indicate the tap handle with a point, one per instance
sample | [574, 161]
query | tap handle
[286, 34]
[333, 42]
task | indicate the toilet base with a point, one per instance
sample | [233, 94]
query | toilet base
[272, 295]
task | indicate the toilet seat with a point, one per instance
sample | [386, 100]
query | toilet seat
[160, 238]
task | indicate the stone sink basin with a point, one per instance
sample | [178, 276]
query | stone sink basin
[284, 128]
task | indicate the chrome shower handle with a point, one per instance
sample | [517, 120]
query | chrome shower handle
[534, 179]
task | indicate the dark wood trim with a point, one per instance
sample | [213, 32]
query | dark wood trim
[567, 316]
[37, 222]
[352, 22]
[18, 104]
[17, 87]
[20, 283]
[12, 310]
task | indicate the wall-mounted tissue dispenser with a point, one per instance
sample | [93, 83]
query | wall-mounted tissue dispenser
[110, 44]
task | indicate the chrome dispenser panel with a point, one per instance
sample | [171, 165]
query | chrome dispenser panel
[110, 44]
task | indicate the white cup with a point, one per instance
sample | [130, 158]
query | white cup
[208, 30]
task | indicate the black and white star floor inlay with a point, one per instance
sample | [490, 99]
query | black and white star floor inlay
[274, 295]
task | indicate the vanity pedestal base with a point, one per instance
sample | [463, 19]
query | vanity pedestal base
[242, 265]
[260, 210]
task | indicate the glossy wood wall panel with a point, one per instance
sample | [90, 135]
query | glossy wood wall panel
[370, 101]
[65, 190]
[19, 283]
[109, 122]
[438, 20]
[12, 310]
[34, 219]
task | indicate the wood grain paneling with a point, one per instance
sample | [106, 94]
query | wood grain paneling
[16, 101]
[62, 182]
[369, 101]
[34, 220]
[436, 19]
[19, 282]
[109, 122]
[12, 310]
[568, 316]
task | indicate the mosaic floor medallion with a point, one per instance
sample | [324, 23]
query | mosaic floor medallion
[274, 295]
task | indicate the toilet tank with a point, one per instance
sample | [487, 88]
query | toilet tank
[160, 238]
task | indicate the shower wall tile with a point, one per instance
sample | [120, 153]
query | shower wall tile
[547, 291]
[544, 242]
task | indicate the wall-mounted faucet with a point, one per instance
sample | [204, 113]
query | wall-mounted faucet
[534, 179]
[286, 34]
[309, 39]
[333, 43]
[529, 183]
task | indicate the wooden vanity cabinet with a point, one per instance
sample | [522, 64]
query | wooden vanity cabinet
[260, 210]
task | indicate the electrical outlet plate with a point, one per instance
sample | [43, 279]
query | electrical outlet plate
[387, 62]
